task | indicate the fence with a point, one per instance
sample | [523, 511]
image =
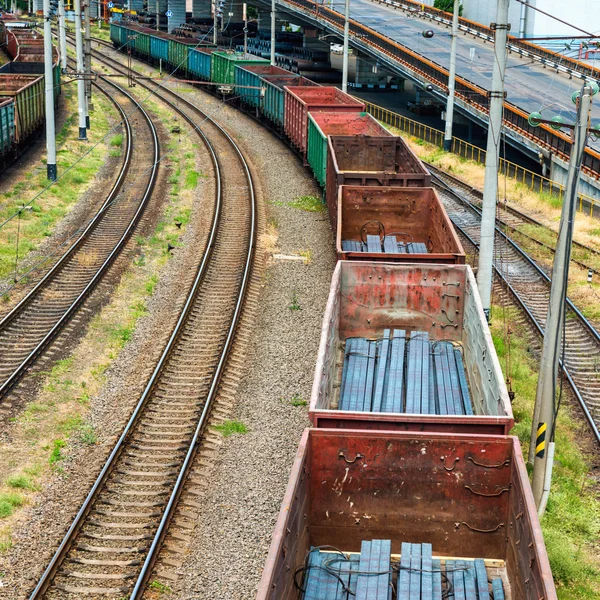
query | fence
[534, 181]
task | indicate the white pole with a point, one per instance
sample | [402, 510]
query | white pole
[273, 32]
[490, 187]
[215, 22]
[245, 19]
[451, 80]
[87, 62]
[81, 108]
[49, 96]
[62, 34]
[345, 57]
[544, 411]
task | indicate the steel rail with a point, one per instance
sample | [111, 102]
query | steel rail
[47, 577]
[587, 414]
[42, 345]
[518, 214]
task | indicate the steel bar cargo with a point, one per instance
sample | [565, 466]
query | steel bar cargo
[362, 160]
[407, 347]
[323, 124]
[393, 224]
[299, 101]
[466, 495]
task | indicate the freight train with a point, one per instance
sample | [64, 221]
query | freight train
[22, 89]
[408, 485]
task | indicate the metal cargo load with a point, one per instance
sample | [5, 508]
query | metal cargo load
[464, 500]
[393, 224]
[360, 160]
[299, 101]
[407, 347]
[323, 124]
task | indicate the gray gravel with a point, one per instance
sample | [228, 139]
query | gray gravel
[231, 541]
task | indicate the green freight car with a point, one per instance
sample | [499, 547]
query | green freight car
[7, 125]
[223, 65]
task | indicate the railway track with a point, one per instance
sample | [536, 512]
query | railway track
[529, 286]
[114, 540]
[513, 221]
[30, 327]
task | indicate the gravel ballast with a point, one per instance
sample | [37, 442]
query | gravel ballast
[240, 507]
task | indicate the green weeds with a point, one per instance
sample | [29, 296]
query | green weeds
[230, 427]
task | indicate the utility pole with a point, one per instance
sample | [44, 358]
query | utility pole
[157, 15]
[62, 34]
[49, 96]
[542, 446]
[245, 19]
[451, 79]
[346, 40]
[273, 36]
[490, 186]
[215, 21]
[81, 104]
[87, 51]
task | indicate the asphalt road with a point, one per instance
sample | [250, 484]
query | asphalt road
[528, 85]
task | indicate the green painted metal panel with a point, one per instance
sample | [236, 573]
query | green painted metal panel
[317, 151]
[223, 66]
[142, 43]
[178, 54]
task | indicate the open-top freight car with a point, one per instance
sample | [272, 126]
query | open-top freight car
[250, 83]
[300, 101]
[369, 161]
[223, 65]
[404, 515]
[395, 224]
[323, 124]
[407, 346]
[273, 105]
[7, 126]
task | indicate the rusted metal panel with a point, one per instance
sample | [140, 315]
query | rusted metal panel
[370, 161]
[408, 214]
[299, 101]
[467, 495]
[368, 298]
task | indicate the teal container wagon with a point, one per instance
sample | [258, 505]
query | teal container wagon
[273, 106]
[159, 49]
[141, 43]
[249, 81]
[178, 53]
[199, 63]
[7, 125]
[223, 65]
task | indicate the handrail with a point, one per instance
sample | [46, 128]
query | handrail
[535, 182]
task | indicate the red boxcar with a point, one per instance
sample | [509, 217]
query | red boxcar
[410, 224]
[466, 495]
[299, 101]
[361, 160]
[407, 347]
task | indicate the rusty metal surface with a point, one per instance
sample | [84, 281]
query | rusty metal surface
[359, 123]
[370, 161]
[412, 214]
[300, 100]
[368, 297]
[467, 495]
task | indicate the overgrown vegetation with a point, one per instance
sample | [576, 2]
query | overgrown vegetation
[305, 203]
[230, 427]
[571, 524]
[447, 6]
[40, 216]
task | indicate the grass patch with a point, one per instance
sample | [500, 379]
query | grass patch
[117, 140]
[22, 482]
[294, 303]
[297, 400]
[305, 203]
[571, 524]
[161, 588]
[9, 501]
[40, 217]
[191, 180]
[230, 427]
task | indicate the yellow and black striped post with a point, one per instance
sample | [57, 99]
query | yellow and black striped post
[540, 440]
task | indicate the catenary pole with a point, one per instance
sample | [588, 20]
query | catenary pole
[490, 186]
[545, 412]
[62, 34]
[346, 43]
[215, 20]
[273, 36]
[49, 96]
[81, 108]
[451, 79]
[87, 47]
